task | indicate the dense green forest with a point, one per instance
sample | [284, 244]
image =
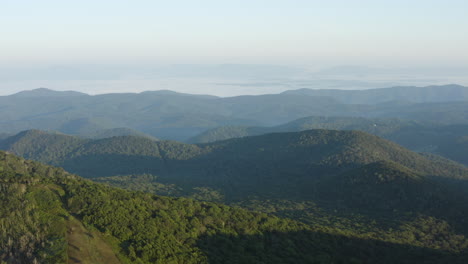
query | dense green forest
[46, 214]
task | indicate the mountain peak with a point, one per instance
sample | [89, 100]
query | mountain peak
[45, 92]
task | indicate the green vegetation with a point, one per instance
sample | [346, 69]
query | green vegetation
[47, 214]
[39, 202]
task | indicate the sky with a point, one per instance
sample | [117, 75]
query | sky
[139, 34]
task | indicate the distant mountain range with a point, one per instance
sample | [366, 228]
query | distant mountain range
[170, 115]
[44, 92]
[446, 93]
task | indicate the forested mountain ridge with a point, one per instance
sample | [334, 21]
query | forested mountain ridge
[300, 167]
[330, 149]
[446, 140]
[170, 115]
[117, 132]
[377, 126]
[41, 146]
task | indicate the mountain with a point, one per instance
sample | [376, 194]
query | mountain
[309, 149]
[44, 146]
[371, 185]
[44, 92]
[50, 216]
[176, 116]
[4, 135]
[274, 166]
[429, 94]
[456, 150]
[120, 131]
[378, 126]
[446, 140]
[85, 127]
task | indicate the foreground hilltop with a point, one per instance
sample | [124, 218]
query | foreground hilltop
[51, 216]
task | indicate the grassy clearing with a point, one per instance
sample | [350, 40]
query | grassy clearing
[87, 247]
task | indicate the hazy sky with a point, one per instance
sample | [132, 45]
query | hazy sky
[280, 31]
[384, 33]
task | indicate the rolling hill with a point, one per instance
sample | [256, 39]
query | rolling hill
[170, 115]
